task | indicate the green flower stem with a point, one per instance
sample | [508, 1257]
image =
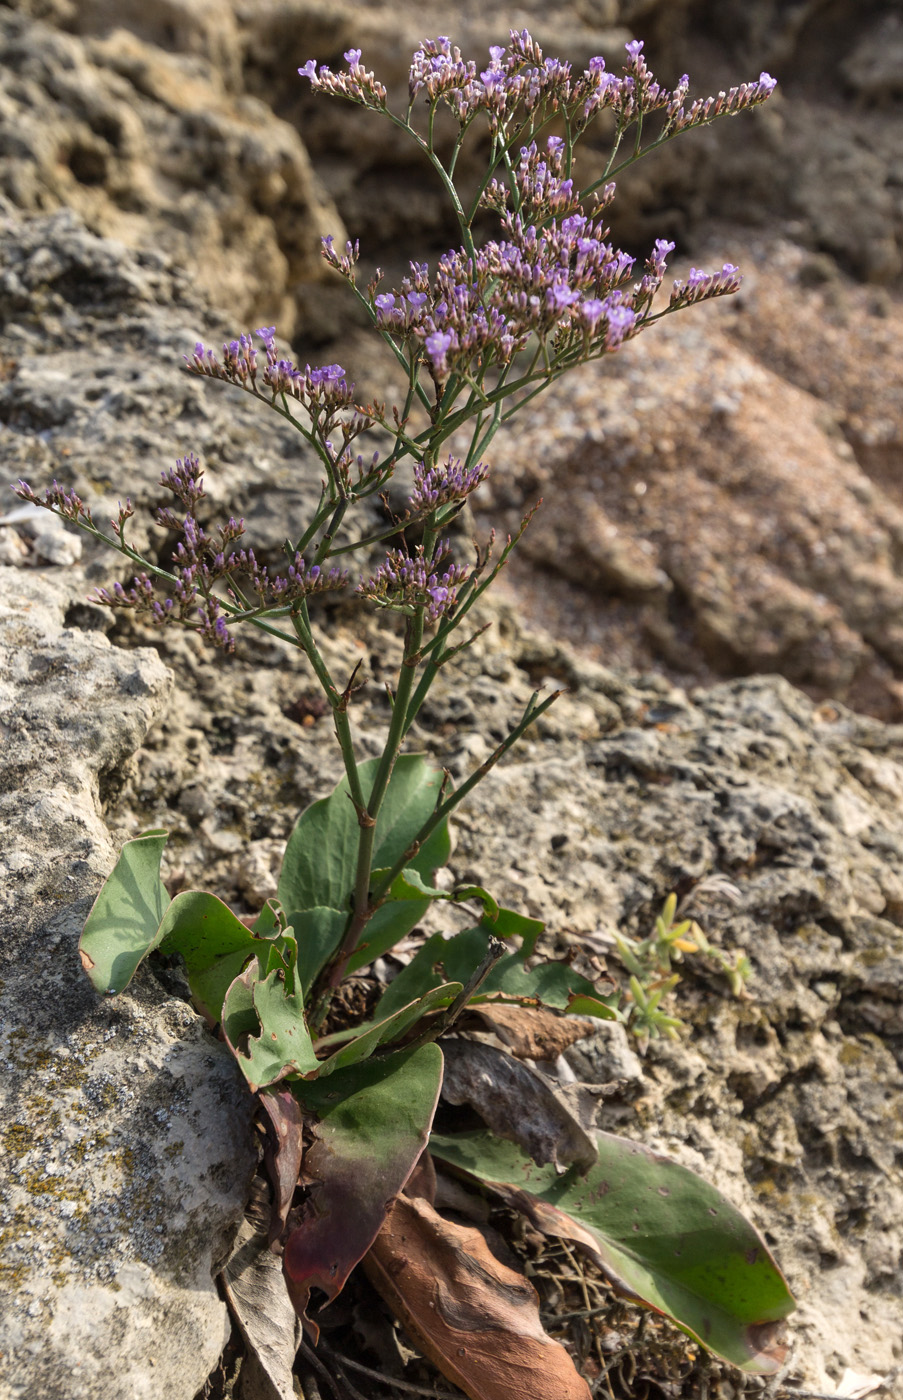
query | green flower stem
[324, 549]
[362, 905]
[442, 1023]
[431, 670]
[532, 712]
[301, 622]
[321, 515]
[447, 182]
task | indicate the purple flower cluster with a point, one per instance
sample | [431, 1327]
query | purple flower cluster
[317, 389]
[726, 104]
[516, 76]
[700, 286]
[562, 277]
[202, 560]
[520, 80]
[357, 85]
[65, 503]
[553, 272]
[407, 581]
[441, 485]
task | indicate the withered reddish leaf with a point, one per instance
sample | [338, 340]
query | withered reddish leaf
[531, 1033]
[476, 1319]
[515, 1102]
[370, 1124]
[284, 1123]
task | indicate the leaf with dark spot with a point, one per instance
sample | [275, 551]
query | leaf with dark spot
[662, 1236]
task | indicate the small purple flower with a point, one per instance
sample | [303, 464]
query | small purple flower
[437, 346]
[309, 70]
[492, 79]
[352, 57]
[621, 319]
[634, 49]
[561, 296]
[443, 484]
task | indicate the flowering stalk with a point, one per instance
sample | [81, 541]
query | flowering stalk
[476, 339]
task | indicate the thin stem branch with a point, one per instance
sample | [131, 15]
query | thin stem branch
[444, 809]
[301, 623]
[442, 1023]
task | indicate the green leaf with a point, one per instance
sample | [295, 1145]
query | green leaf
[126, 917]
[605, 1008]
[214, 943]
[417, 979]
[370, 1123]
[283, 1045]
[319, 932]
[389, 924]
[365, 1039]
[411, 885]
[321, 855]
[509, 924]
[660, 1233]
[320, 862]
[133, 914]
[553, 984]
[270, 921]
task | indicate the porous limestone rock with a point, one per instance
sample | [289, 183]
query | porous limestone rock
[125, 1126]
[163, 150]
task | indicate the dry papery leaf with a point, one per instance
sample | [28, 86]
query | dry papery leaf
[284, 1123]
[474, 1318]
[531, 1033]
[257, 1295]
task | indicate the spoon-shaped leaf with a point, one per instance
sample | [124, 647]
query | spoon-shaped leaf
[660, 1234]
[126, 918]
[320, 861]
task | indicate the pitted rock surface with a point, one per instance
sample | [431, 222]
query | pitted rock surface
[125, 1127]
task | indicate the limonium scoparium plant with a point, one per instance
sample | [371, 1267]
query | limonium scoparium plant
[475, 338]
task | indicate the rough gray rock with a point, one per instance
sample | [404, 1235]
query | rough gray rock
[125, 1127]
[162, 149]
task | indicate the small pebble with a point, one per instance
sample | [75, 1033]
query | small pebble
[13, 549]
[57, 547]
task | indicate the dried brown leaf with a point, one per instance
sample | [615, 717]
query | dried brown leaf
[531, 1033]
[284, 1149]
[476, 1319]
[256, 1291]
